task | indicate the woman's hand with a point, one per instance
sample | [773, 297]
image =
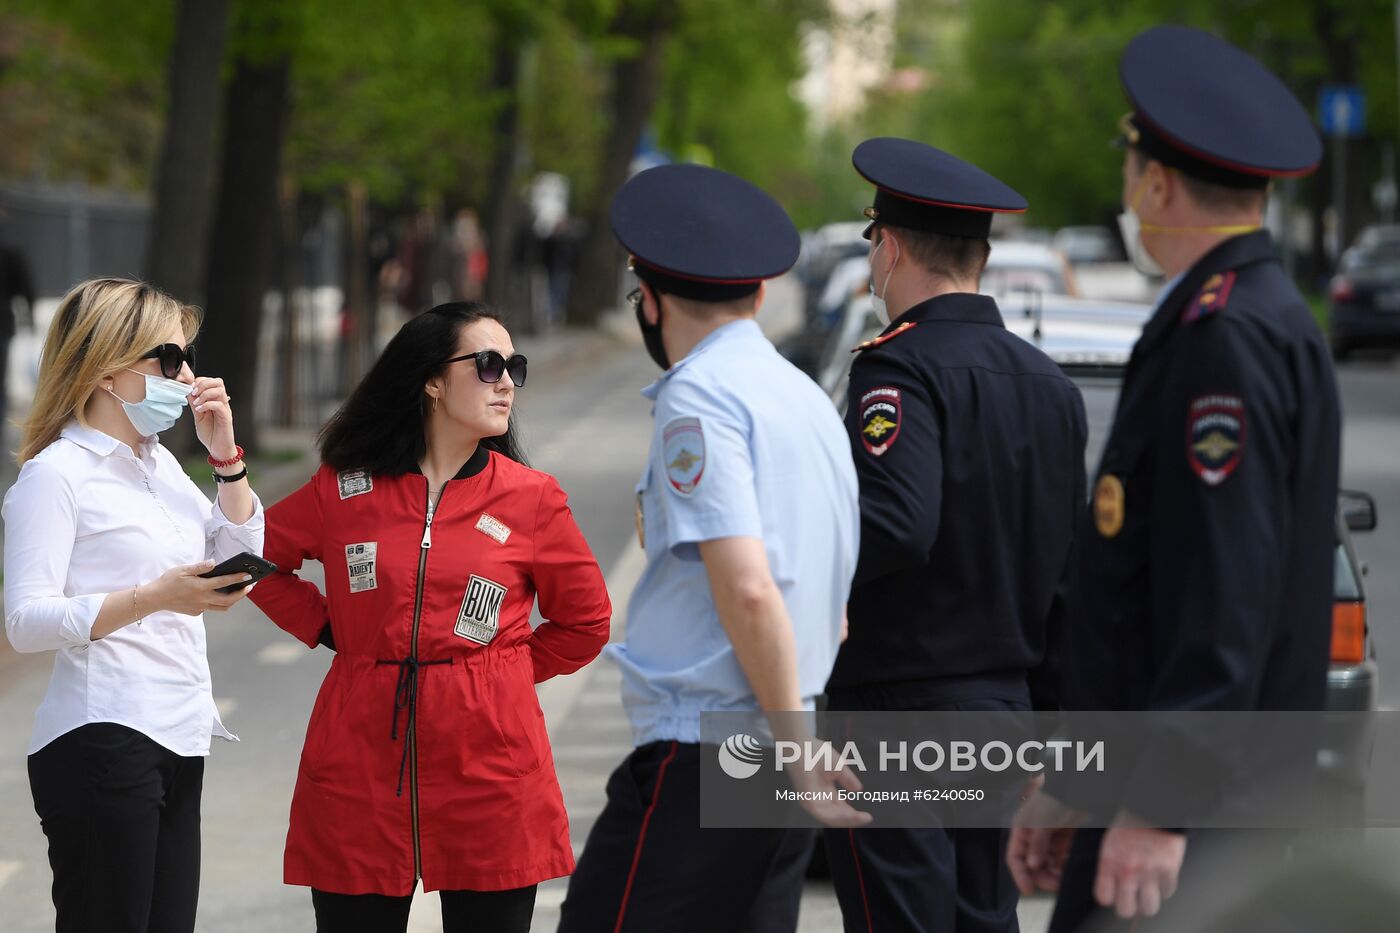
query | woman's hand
[182, 590]
[213, 418]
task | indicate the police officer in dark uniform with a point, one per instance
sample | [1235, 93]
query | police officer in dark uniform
[1204, 567]
[969, 447]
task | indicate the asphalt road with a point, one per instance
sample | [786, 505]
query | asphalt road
[583, 421]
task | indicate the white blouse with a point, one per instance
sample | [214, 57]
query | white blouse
[88, 517]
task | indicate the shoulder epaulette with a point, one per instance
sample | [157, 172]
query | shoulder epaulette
[884, 338]
[1211, 298]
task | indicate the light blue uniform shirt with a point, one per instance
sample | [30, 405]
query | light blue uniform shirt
[745, 445]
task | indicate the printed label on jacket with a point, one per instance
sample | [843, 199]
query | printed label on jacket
[481, 610]
[493, 528]
[359, 563]
[354, 483]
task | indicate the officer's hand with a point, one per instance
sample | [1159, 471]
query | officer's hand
[1138, 867]
[1040, 839]
[820, 783]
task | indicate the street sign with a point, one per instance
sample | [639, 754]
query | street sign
[1341, 110]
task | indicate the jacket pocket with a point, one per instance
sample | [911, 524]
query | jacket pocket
[520, 721]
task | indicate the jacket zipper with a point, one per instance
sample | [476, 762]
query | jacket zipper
[411, 738]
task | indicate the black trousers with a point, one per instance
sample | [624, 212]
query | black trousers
[926, 880]
[121, 814]
[648, 866]
[462, 911]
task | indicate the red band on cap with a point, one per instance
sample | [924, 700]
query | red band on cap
[699, 278]
[1195, 153]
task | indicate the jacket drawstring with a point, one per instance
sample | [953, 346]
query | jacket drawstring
[406, 698]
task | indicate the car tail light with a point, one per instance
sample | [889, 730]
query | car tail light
[1342, 289]
[1348, 633]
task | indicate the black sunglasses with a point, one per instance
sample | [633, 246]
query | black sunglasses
[491, 366]
[172, 358]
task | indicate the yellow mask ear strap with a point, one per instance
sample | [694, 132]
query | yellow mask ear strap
[1232, 229]
[1229, 229]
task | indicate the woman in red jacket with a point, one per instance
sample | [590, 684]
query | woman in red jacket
[426, 755]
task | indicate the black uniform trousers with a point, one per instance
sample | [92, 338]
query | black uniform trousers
[925, 880]
[648, 865]
[121, 814]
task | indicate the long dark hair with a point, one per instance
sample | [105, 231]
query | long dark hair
[380, 428]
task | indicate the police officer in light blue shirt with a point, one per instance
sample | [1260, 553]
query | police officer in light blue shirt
[749, 515]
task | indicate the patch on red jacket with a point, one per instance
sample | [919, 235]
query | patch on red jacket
[359, 566]
[480, 616]
[354, 483]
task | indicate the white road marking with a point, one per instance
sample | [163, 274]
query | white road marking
[282, 652]
[550, 896]
[425, 915]
[8, 870]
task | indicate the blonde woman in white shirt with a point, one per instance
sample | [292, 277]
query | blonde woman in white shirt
[105, 536]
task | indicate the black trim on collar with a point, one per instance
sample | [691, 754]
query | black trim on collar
[472, 467]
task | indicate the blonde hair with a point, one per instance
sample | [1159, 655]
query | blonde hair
[100, 328]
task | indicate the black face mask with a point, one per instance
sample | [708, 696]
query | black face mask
[651, 333]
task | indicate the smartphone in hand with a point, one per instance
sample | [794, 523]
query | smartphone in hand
[248, 563]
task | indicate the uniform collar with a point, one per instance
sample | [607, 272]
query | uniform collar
[103, 444]
[962, 307]
[742, 329]
[1234, 253]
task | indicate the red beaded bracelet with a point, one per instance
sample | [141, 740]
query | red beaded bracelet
[238, 455]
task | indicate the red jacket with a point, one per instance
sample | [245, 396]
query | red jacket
[426, 755]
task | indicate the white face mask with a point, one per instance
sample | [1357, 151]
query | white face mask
[1131, 227]
[160, 409]
[877, 300]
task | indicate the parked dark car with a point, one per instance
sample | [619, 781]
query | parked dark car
[1365, 299]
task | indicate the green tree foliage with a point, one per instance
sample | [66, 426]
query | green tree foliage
[79, 100]
[730, 73]
[1032, 92]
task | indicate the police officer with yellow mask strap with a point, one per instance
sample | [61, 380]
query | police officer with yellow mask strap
[1203, 579]
[969, 446]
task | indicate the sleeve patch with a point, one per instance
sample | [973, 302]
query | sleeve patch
[683, 454]
[1215, 437]
[879, 419]
[1211, 298]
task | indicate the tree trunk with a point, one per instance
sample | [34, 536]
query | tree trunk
[184, 192]
[245, 232]
[636, 85]
[502, 221]
[357, 350]
[288, 268]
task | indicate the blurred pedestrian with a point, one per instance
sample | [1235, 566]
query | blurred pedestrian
[15, 282]
[426, 756]
[747, 514]
[1203, 577]
[969, 445]
[105, 536]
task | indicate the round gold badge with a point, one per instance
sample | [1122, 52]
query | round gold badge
[1108, 506]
